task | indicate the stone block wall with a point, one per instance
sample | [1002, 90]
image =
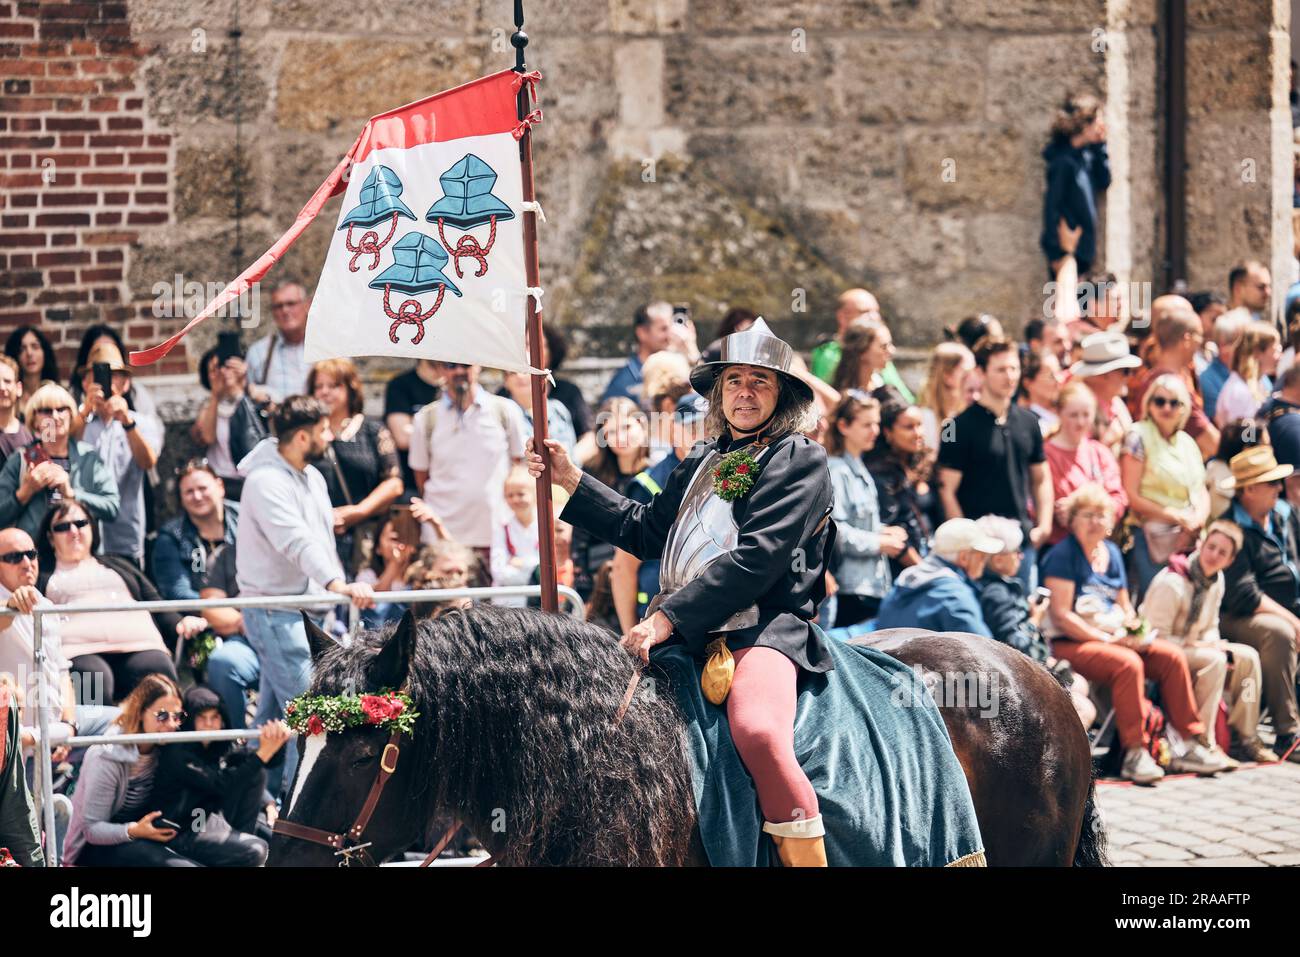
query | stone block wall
[714, 151]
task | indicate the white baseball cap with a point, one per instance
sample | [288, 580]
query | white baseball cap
[962, 534]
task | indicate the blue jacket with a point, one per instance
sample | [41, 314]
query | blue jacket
[626, 382]
[1212, 380]
[1002, 600]
[936, 595]
[858, 566]
[1074, 178]
[179, 556]
[1283, 420]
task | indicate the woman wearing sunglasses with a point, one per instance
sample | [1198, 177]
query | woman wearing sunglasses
[1164, 479]
[54, 468]
[116, 648]
[115, 820]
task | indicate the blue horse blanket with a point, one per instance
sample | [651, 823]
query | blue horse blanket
[872, 742]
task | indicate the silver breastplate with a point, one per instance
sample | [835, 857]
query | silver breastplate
[705, 530]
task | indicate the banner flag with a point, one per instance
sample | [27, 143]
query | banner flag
[427, 258]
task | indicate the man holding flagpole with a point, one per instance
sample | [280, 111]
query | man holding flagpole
[742, 531]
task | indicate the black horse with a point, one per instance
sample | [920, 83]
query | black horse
[517, 739]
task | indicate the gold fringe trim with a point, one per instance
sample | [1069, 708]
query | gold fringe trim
[975, 859]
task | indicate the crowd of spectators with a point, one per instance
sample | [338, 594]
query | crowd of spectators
[1115, 497]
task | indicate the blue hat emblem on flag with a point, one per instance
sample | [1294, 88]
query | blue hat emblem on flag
[418, 261]
[378, 200]
[467, 195]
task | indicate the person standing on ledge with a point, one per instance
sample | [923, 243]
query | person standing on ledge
[1078, 171]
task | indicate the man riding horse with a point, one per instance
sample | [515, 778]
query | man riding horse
[742, 531]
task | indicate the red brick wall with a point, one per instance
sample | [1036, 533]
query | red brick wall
[82, 169]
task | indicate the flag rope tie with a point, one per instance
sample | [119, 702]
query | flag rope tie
[531, 78]
[368, 243]
[526, 124]
[468, 246]
[409, 311]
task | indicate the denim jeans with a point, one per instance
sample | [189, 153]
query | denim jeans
[233, 670]
[280, 640]
[1143, 569]
[1028, 571]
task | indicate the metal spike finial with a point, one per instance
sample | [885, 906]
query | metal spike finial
[519, 39]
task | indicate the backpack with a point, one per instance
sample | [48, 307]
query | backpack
[428, 417]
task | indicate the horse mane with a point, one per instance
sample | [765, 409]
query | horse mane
[516, 738]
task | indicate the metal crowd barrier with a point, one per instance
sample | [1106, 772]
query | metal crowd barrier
[44, 763]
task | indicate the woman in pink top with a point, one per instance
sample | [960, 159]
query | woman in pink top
[1077, 459]
[118, 648]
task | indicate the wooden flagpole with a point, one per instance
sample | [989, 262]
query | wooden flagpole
[545, 506]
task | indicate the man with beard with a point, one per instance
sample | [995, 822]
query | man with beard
[286, 547]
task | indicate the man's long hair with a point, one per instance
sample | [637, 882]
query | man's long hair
[793, 413]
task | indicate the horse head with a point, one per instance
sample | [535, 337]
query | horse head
[338, 771]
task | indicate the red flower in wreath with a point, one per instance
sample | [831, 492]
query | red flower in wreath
[726, 484]
[378, 709]
[315, 725]
[742, 469]
[291, 709]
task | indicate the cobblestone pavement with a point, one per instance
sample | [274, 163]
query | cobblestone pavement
[1249, 818]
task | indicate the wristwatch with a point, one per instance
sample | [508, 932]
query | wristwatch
[128, 426]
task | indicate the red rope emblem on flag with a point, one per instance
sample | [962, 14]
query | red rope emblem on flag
[468, 246]
[368, 243]
[409, 311]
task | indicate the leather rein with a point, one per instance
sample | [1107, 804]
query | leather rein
[349, 846]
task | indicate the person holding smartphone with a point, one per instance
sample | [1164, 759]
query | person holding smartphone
[114, 822]
[54, 468]
[127, 440]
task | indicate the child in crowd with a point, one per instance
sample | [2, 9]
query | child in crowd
[514, 541]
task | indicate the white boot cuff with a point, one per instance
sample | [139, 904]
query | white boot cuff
[808, 827]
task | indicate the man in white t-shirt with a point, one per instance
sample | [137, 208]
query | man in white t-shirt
[462, 447]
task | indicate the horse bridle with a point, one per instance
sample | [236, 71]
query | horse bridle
[349, 844]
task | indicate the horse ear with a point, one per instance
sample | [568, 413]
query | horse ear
[394, 659]
[317, 640]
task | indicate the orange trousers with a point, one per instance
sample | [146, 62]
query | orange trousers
[1125, 671]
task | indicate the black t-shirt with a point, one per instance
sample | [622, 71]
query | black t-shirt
[221, 572]
[994, 461]
[365, 459]
[407, 394]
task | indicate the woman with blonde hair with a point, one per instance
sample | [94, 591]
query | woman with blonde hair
[1164, 479]
[1075, 458]
[944, 394]
[666, 377]
[623, 445]
[55, 468]
[1248, 386]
